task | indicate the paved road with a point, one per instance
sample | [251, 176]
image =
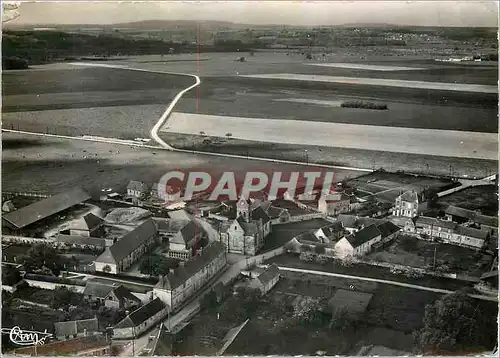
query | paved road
[395, 283]
[468, 183]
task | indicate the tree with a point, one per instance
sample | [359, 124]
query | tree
[63, 297]
[154, 265]
[10, 275]
[209, 301]
[40, 256]
[454, 323]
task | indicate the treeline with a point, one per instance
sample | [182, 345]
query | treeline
[37, 47]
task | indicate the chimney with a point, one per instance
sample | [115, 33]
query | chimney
[171, 271]
[181, 264]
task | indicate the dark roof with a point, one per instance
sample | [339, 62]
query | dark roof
[435, 222]
[169, 225]
[364, 235]
[45, 208]
[353, 221]
[88, 222]
[259, 213]
[249, 228]
[121, 292]
[472, 215]
[472, 232]
[387, 228]
[271, 272]
[489, 274]
[71, 328]
[486, 220]
[331, 229]
[137, 185]
[191, 230]
[142, 314]
[128, 243]
[307, 238]
[275, 212]
[97, 289]
[80, 240]
[182, 273]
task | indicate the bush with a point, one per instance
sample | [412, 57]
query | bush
[364, 105]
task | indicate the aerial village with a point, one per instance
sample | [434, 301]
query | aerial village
[126, 273]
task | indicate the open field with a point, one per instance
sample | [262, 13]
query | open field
[399, 140]
[440, 86]
[368, 159]
[484, 198]
[35, 163]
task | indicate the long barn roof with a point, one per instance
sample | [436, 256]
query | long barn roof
[47, 207]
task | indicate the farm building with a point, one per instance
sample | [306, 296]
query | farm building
[358, 243]
[181, 283]
[88, 225]
[74, 329]
[127, 250]
[266, 280]
[43, 209]
[140, 320]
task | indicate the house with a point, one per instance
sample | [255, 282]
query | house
[243, 228]
[404, 223]
[182, 244]
[450, 232]
[407, 205]
[89, 225]
[97, 291]
[127, 250]
[461, 215]
[358, 243]
[337, 203]
[266, 280]
[140, 320]
[137, 190]
[278, 215]
[120, 298]
[353, 223]
[388, 231]
[330, 233]
[74, 329]
[170, 193]
[181, 283]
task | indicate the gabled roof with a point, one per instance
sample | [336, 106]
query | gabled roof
[271, 273]
[472, 232]
[71, 328]
[97, 289]
[387, 228]
[121, 292]
[191, 230]
[45, 208]
[409, 195]
[249, 228]
[364, 235]
[88, 222]
[330, 230]
[259, 213]
[472, 215]
[354, 222]
[169, 225]
[182, 273]
[490, 274]
[425, 220]
[80, 240]
[275, 212]
[486, 220]
[128, 243]
[142, 314]
[137, 185]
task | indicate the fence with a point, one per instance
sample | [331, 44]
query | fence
[52, 285]
[11, 194]
[25, 240]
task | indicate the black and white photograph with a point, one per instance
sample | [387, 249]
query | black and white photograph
[250, 178]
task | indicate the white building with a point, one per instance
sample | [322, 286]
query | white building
[406, 204]
[358, 243]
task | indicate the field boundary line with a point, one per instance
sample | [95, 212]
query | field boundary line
[377, 280]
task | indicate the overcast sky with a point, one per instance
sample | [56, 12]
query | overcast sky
[423, 13]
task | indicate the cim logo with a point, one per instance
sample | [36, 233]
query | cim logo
[179, 185]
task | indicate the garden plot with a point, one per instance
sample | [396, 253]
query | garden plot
[410, 251]
[400, 140]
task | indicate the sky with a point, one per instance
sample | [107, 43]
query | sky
[418, 13]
